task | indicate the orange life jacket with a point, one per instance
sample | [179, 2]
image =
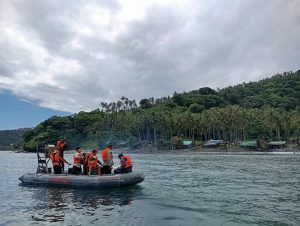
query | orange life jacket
[105, 154]
[60, 145]
[92, 163]
[56, 159]
[76, 160]
[128, 161]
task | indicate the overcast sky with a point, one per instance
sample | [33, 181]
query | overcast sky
[72, 55]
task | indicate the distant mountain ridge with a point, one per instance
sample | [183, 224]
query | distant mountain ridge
[10, 139]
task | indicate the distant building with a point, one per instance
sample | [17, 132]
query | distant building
[212, 143]
[250, 144]
[276, 144]
[187, 143]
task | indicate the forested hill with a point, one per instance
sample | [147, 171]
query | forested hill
[268, 109]
[10, 139]
[280, 91]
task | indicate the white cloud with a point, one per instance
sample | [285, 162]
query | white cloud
[72, 55]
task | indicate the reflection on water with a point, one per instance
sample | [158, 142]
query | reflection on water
[52, 204]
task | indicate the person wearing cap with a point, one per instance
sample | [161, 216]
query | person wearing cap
[77, 158]
[107, 157]
[125, 164]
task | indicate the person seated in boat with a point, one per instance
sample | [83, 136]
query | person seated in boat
[57, 162]
[84, 163]
[77, 158]
[125, 164]
[107, 157]
[93, 163]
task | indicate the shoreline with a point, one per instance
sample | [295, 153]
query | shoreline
[213, 151]
[196, 151]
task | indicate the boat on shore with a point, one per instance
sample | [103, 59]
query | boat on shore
[82, 181]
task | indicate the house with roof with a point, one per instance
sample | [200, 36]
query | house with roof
[187, 143]
[249, 144]
[212, 143]
[277, 144]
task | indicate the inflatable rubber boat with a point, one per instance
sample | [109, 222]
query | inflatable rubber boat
[116, 180]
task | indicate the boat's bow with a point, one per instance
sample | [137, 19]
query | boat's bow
[21, 178]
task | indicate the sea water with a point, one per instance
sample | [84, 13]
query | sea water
[189, 189]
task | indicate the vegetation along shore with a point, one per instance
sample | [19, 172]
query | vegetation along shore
[263, 111]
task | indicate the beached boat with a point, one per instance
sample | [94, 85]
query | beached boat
[116, 180]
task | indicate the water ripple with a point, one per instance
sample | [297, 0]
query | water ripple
[178, 190]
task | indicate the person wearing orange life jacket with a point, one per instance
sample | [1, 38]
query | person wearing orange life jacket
[108, 162]
[57, 162]
[125, 164]
[61, 146]
[85, 163]
[93, 163]
[77, 158]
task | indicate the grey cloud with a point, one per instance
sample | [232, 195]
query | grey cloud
[227, 47]
[46, 20]
[202, 43]
[51, 21]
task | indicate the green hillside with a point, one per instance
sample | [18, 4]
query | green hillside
[267, 109]
[279, 91]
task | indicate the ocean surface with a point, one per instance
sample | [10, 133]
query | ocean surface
[178, 190]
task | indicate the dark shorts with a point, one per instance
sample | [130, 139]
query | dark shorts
[61, 154]
[106, 170]
[57, 169]
[85, 170]
[94, 171]
[76, 170]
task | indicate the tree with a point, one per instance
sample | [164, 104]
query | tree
[196, 108]
[145, 103]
